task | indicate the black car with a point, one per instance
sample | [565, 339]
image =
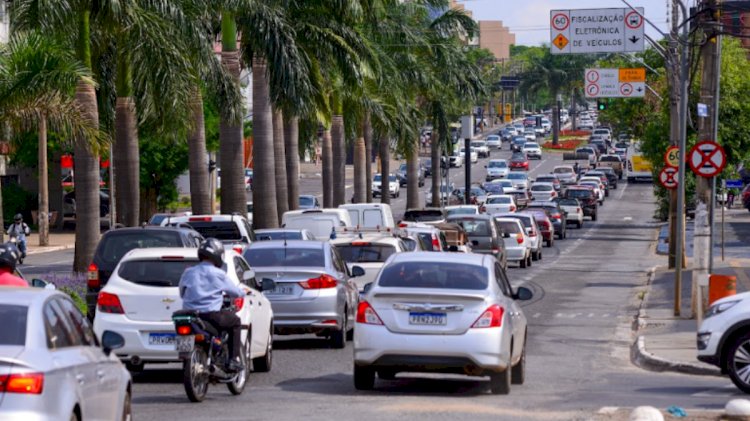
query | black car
[586, 197]
[516, 145]
[116, 243]
[611, 176]
[556, 214]
[402, 171]
[485, 236]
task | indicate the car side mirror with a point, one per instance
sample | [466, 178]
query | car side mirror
[41, 283]
[267, 284]
[248, 275]
[357, 271]
[523, 294]
[111, 341]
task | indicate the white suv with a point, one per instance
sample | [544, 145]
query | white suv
[724, 338]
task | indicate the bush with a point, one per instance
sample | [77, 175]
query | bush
[73, 284]
[17, 200]
[564, 145]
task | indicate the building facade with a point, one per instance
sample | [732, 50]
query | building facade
[4, 22]
[493, 35]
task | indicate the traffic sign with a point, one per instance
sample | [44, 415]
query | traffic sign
[668, 177]
[707, 159]
[672, 157]
[733, 184]
[614, 83]
[583, 31]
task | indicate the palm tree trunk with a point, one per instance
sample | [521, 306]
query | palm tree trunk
[338, 145]
[86, 162]
[385, 169]
[327, 152]
[231, 151]
[412, 176]
[437, 169]
[282, 199]
[200, 197]
[43, 186]
[368, 158]
[360, 178]
[291, 143]
[555, 120]
[264, 184]
[127, 162]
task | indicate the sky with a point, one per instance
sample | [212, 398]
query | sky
[529, 19]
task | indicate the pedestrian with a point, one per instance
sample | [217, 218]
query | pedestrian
[18, 232]
[730, 198]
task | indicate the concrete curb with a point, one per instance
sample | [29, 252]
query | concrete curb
[40, 250]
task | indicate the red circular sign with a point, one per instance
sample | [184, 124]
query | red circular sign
[592, 90]
[707, 159]
[626, 89]
[592, 76]
[560, 21]
[633, 20]
[671, 157]
[668, 177]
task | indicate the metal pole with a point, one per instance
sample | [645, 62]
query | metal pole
[717, 98]
[724, 188]
[467, 157]
[683, 108]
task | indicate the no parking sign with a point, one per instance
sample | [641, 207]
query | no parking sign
[707, 159]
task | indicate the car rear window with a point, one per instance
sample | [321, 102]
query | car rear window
[280, 235]
[113, 246]
[220, 230]
[474, 226]
[370, 253]
[504, 200]
[285, 256]
[562, 170]
[541, 187]
[610, 158]
[155, 273]
[423, 215]
[461, 211]
[568, 202]
[440, 275]
[306, 201]
[14, 324]
[579, 194]
[509, 226]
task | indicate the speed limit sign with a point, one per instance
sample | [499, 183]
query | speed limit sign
[672, 157]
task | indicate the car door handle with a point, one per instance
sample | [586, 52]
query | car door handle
[100, 373]
[81, 378]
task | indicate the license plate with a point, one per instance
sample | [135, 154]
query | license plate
[161, 339]
[283, 290]
[184, 343]
[434, 319]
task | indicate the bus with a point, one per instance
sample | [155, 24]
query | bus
[638, 168]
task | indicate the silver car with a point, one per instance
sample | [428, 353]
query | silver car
[443, 312]
[532, 231]
[517, 243]
[314, 291]
[283, 234]
[51, 364]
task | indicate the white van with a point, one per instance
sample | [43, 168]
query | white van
[370, 215]
[320, 222]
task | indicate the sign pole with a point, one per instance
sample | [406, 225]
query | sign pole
[683, 108]
[722, 219]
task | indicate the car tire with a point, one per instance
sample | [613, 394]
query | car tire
[593, 217]
[740, 344]
[539, 253]
[134, 368]
[263, 364]
[364, 378]
[523, 263]
[127, 407]
[338, 337]
[386, 374]
[548, 243]
[579, 224]
[500, 382]
[535, 255]
[528, 260]
[518, 372]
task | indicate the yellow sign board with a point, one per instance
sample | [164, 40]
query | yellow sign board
[508, 118]
[508, 108]
[560, 41]
[633, 75]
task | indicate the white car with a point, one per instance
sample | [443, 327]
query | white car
[499, 203]
[532, 149]
[495, 141]
[142, 293]
[462, 210]
[723, 338]
[605, 134]
[370, 251]
[441, 312]
[574, 211]
[507, 185]
[530, 134]
[394, 187]
[481, 147]
[598, 190]
[520, 180]
[445, 191]
[457, 159]
[473, 155]
[543, 191]
[517, 242]
[497, 168]
[566, 174]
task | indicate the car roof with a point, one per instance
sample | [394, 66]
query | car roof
[367, 238]
[214, 218]
[311, 244]
[427, 256]
[25, 296]
[268, 230]
[542, 183]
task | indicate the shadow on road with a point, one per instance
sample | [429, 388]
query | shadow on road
[160, 375]
[290, 343]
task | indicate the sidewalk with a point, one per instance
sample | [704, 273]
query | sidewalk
[668, 343]
[57, 242]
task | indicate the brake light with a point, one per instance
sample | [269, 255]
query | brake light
[578, 210]
[31, 383]
[184, 330]
[93, 276]
[109, 303]
[200, 219]
[556, 216]
[238, 249]
[321, 282]
[360, 243]
[402, 225]
[519, 238]
[367, 315]
[172, 258]
[239, 303]
[492, 317]
[435, 243]
[512, 208]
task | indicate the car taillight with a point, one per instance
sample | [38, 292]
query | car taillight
[109, 303]
[367, 315]
[519, 238]
[184, 330]
[93, 276]
[492, 317]
[239, 303]
[554, 194]
[435, 244]
[321, 282]
[238, 249]
[578, 210]
[512, 208]
[30, 383]
[200, 219]
[556, 216]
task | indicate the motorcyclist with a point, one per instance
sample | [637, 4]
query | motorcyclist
[202, 288]
[8, 258]
[19, 230]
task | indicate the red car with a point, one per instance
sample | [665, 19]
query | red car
[545, 226]
[519, 162]
[746, 197]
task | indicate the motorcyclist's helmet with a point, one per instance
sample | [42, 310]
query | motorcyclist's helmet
[18, 217]
[8, 256]
[212, 250]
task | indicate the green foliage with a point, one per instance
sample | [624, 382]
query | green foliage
[17, 200]
[162, 161]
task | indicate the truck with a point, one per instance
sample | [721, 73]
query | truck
[639, 168]
[612, 161]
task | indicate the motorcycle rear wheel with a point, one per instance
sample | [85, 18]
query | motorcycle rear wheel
[195, 375]
[237, 385]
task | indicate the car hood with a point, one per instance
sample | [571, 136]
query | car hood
[742, 297]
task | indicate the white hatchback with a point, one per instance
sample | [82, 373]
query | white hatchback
[500, 203]
[142, 293]
[441, 312]
[543, 191]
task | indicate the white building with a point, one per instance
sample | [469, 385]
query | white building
[4, 21]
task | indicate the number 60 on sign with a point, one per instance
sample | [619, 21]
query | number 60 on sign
[672, 157]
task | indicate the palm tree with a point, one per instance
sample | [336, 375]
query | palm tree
[282, 199]
[291, 144]
[265, 212]
[37, 78]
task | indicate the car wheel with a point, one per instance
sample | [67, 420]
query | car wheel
[548, 243]
[535, 255]
[338, 337]
[523, 263]
[134, 368]
[606, 193]
[738, 362]
[263, 364]
[539, 253]
[500, 382]
[364, 378]
[518, 373]
[528, 260]
[593, 217]
[127, 408]
[579, 224]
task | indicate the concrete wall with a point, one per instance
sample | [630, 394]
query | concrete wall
[496, 38]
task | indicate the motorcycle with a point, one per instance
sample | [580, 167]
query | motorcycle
[205, 354]
[14, 240]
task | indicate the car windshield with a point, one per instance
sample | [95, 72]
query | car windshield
[284, 256]
[499, 200]
[578, 194]
[155, 273]
[461, 211]
[530, 145]
[541, 187]
[568, 202]
[517, 176]
[377, 178]
[278, 235]
[546, 179]
[493, 188]
[504, 183]
[220, 230]
[365, 253]
[478, 227]
[115, 245]
[306, 201]
[423, 215]
[477, 144]
[498, 164]
[610, 158]
[402, 168]
[431, 274]
[511, 227]
[14, 324]
[410, 244]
